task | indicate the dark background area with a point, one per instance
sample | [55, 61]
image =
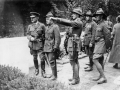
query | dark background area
[15, 14]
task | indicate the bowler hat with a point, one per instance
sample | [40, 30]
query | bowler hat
[34, 14]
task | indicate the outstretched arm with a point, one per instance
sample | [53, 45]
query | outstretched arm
[65, 22]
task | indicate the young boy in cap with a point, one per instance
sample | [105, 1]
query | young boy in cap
[36, 35]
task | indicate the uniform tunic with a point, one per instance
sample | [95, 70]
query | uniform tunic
[38, 32]
[52, 38]
[76, 28]
[90, 29]
[100, 47]
[115, 52]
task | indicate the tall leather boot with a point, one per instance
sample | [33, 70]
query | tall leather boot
[54, 70]
[43, 69]
[36, 65]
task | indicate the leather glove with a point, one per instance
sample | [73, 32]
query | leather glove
[32, 39]
[90, 45]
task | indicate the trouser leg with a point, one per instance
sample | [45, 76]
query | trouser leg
[75, 65]
[91, 49]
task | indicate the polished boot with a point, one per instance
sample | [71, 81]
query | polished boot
[36, 67]
[36, 72]
[43, 69]
[115, 66]
[54, 72]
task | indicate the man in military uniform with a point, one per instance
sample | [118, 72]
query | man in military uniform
[52, 43]
[100, 45]
[35, 35]
[90, 29]
[73, 41]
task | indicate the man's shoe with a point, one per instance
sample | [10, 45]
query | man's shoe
[86, 67]
[74, 82]
[102, 80]
[115, 66]
[48, 76]
[53, 78]
[89, 69]
[36, 72]
[71, 79]
[88, 64]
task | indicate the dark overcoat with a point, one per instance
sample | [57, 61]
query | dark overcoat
[115, 52]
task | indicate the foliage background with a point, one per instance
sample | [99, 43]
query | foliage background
[14, 14]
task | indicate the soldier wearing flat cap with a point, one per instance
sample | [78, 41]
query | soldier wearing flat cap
[73, 41]
[52, 43]
[89, 35]
[36, 35]
[101, 36]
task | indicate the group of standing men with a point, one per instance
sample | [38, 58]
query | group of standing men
[45, 41]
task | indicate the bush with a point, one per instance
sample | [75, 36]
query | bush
[8, 74]
[13, 79]
[33, 83]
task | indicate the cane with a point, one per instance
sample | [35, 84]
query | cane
[106, 58]
[47, 61]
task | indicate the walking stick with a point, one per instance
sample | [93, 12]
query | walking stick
[106, 59]
[47, 61]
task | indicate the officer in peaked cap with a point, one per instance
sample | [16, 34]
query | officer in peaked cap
[36, 35]
[73, 48]
[34, 14]
[89, 42]
[52, 43]
[102, 37]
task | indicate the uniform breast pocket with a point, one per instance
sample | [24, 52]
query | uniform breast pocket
[39, 30]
